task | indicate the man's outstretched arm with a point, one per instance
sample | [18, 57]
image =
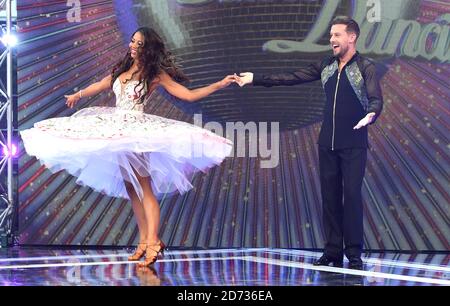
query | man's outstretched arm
[374, 96]
[303, 75]
[374, 93]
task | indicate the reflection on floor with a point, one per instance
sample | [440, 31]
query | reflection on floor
[228, 267]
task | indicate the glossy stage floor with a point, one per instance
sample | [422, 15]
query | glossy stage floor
[215, 267]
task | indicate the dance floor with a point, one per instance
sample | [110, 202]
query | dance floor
[214, 267]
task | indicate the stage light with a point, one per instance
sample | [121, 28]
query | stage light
[9, 40]
[13, 151]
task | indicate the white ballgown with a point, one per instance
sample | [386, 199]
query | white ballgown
[104, 146]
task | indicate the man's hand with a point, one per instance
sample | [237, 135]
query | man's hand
[365, 121]
[245, 78]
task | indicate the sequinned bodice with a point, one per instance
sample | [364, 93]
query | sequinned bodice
[127, 97]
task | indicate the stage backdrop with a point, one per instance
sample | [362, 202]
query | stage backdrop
[65, 46]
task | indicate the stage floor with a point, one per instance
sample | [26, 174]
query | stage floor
[215, 267]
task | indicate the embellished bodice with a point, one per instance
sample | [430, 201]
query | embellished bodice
[127, 98]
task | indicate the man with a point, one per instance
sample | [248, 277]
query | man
[353, 101]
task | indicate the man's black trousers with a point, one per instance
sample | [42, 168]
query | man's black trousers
[341, 177]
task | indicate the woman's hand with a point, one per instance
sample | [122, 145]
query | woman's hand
[227, 81]
[72, 99]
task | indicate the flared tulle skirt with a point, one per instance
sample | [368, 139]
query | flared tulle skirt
[107, 148]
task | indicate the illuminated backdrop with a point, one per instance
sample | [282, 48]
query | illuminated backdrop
[240, 204]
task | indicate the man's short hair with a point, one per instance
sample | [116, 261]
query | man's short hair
[352, 25]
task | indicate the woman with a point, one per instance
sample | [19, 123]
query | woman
[124, 152]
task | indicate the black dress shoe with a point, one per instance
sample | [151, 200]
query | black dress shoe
[326, 261]
[355, 263]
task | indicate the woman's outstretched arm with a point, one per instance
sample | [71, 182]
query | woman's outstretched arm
[89, 91]
[192, 95]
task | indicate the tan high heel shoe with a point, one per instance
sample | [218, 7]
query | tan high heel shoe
[139, 252]
[152, 253]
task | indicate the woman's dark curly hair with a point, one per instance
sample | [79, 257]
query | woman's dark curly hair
[153, 57]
